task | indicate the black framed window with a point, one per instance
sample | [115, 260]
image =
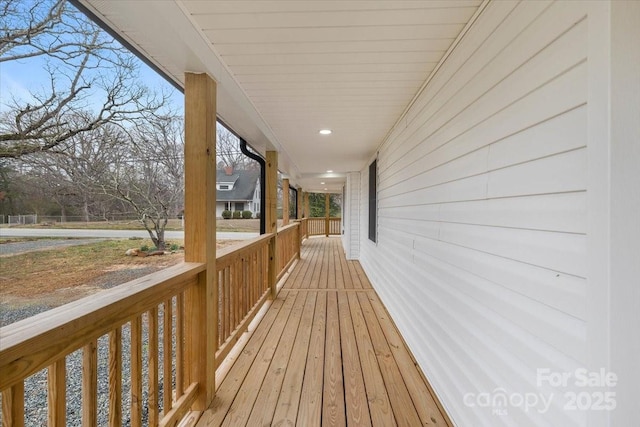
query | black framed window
[373, 200]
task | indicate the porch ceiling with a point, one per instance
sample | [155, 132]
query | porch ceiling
[286, 69]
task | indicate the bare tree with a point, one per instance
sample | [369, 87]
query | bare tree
[228, 151]
[84, 65]
[149, 178]
[73, 173]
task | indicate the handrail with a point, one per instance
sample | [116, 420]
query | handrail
[45, 340]
[156, 302]
[288, 247]
[317, 226]
[304, 233]
[26, 346]
[225, 255]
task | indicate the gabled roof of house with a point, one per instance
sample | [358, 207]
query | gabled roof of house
[245, 182]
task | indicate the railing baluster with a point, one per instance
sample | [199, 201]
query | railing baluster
[272, 266]
[153, 366]
[264, 268]
[168, 359]
[115, 377]
[80, 330]
[179, 346]
[254, 279]
[235, 285]
[227, 307]
[90, 384]
[13, 406]
[246, 276]
[245, 287]
[57, 393]
[136, 371]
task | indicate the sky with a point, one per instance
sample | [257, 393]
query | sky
[19, 78]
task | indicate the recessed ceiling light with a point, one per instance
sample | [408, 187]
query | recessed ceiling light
[325, 132]
[326, 188]
[322, 183]
[329, 171]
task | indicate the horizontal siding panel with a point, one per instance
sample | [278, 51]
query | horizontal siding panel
[549, 79]
[428, 229]
[473, 188]
[552, 288]
[471, 164]
[497, 85]
[482, 211]
[566, 92]
[556, 251]
[561, 173]
[423, 212]
[404, 267]
[550, 212]
[480, 50]
[470, 341]
[564, 212]
[561, 133]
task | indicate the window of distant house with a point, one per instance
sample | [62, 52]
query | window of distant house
[239, 206]
[373, 202]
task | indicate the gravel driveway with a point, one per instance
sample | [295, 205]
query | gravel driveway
[36, 385]
[41, 245]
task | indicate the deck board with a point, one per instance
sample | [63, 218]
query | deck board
[325, 353]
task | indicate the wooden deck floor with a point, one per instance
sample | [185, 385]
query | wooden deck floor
[325, 353]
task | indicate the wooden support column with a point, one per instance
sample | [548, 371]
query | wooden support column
[307, 211]
[200, 232]
[271, 216]
[327, 204]
[285, 201]
[13, 406]
[300, 203]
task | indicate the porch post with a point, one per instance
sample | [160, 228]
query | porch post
[285, 201]
[299, 202]
[307, 211]
[271, 215]
[200, 232]
[326, 208]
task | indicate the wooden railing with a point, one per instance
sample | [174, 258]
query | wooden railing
[335, 226]
[304, 233]
[288, 247]
[243, 286]
[152, 318]
[318, 226]
[133, 309]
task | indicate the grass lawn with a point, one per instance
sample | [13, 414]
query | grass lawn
[69, 273]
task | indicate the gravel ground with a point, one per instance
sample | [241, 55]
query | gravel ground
[10, 313]
[36, 385]
[41, 245]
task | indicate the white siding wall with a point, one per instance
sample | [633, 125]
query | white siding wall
[351, 207]
[482, 251]
[220, 206]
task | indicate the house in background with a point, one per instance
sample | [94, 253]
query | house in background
[237, 190]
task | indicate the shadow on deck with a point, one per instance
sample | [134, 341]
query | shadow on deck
[325, 353]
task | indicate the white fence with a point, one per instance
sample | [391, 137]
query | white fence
[53, 219]
[22, 219]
